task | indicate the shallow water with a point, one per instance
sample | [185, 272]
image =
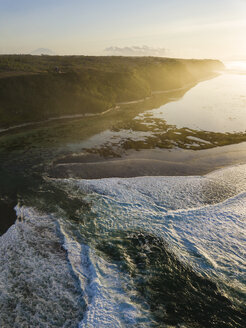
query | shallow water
[206, 115]
[132, 252]
[218, 105]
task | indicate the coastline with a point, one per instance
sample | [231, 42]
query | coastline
[89, 85]
[116, 107]
[154, 162]
[78, 116]
[58, 118]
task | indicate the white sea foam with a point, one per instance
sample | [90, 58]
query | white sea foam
[201, 218]
[38, 279]
[108, 304]
[37, 288]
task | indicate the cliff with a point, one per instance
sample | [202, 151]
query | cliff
[34, 88]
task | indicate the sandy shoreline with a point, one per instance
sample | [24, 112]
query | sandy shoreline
[155, 162]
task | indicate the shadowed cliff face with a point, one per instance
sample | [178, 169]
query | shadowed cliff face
[33, 89]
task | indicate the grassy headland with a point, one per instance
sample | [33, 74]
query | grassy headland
[34, 88]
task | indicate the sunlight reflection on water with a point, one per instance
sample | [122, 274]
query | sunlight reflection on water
[239, 66]
[217, 105]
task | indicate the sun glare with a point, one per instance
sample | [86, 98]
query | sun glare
[239, 66]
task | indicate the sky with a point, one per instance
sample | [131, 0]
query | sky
[173, 28]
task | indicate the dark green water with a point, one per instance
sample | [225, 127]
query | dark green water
[142, 252]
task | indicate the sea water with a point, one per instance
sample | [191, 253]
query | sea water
[216, 105]
[150, 252]
[136, 252]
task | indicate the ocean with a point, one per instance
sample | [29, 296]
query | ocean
[145, 251]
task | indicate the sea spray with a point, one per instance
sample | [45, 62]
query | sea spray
[149, 251]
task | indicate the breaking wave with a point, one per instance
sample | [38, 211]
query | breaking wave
[149, 252]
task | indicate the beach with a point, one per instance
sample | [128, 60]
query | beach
[111, 206]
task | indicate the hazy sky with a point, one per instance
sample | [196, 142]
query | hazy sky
[181, 28]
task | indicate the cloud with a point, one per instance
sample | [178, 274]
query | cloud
[137, 51]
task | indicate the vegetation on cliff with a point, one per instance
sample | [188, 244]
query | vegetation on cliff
[34, 88]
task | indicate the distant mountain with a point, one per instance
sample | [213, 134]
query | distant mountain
[42, 51]
[137, 51]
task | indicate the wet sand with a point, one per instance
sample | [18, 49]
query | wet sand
[154, 162]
